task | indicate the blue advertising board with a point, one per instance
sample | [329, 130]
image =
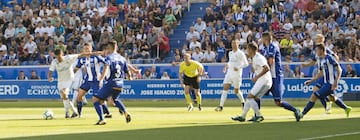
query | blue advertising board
[164, 89]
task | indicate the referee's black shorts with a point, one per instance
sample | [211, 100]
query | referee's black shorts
[191, 81]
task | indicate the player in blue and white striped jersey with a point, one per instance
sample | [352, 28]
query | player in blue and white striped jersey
[92, 65]
[271, 51]
[331, 71]
[320, 39]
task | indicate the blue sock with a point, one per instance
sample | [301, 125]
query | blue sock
[323, 102]
[120, 105]
[105, 108]
[258, 101]
[340, 103]
[308, 106]
[288, 106]
[79, 105]
[99, 110]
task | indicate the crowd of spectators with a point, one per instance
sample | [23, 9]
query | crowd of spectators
[293, 24]
[30, 30]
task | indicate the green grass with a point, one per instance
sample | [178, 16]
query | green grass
[170, 120]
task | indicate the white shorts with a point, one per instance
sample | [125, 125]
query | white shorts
[261, 87]
[234, 80]
[76, 84]
[64, 85]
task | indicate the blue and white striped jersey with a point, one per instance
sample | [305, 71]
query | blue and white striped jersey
[328, 66]
[273, 50]
[92, 65]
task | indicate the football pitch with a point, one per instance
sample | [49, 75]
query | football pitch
[159, 120]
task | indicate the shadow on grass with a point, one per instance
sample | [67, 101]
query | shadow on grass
[230, 131]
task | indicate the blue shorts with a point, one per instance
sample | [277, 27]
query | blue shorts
[319, 82]
[277, 88]
[108, 90]
[324, 91]
[87, 85]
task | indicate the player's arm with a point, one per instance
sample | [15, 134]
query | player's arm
[181, 73]
[243, 61]
[103, 74]
[271, 60]
[132, 69]
[338, 76]
[317, 76]
[50, 76]
[311, 63]
[263, 72]
[226, 67]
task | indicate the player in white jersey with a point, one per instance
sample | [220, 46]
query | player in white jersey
[233, 69]
[78, 80]
[63, 65]
[262, 80]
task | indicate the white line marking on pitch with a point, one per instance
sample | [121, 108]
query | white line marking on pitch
[330, 136]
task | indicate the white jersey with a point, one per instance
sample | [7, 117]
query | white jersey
[258, 61]
[65, 68]
[237, 60]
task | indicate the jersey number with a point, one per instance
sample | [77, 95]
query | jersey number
[118, 71]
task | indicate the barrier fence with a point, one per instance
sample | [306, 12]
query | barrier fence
[164, 89]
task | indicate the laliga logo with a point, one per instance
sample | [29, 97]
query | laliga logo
[341, 88]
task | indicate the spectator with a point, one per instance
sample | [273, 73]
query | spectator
[147, 74]
[286, 45]
[288, 73]
[164, 46]
[209, 16]
[165, 76]
[209, 55]
[221, 50]
[298, 72]
[12, 58]
[104, 39]
[177, 60]
[350, 72]
[34, 75]
[197, 55]
[158, 20]
[194, 43]
[9, 32]
[151, 40]
[296, 47]
[153, 73]
[190, 35]
[21, 76]
[199, 25]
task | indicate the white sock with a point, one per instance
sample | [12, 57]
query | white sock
[223, 97]
[246, 108]
[71, 106]
[74, 99]
[240, 96]
[255, 107]
[66, 105]
[84, 100]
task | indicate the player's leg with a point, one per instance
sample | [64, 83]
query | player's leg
[188, 83]
[319, 84]
[226, 87]
[320, 94]
[98, 98]
[67, 104]
[340, 103]
[193, 96]
[95, 86]
[120, 104]
[237, 83]
[196, 87]
[75, 94]
[84, 88]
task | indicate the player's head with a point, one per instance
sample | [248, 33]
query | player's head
[59, 54]
[266, 37]
[187, 58]
[87, 48]
[235, 44]
[319, 39]
[320, 49]
[252, 48]
[111, 47]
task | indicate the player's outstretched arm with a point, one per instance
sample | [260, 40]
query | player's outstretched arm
[137, 71]
[50, 76]
[311, 63]
[320, 74]
[129, 73]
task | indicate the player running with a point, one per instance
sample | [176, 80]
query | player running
[320, 39]
[192, 71]
[262, 80]
[92, 64]
[63, 65]
[233, 69]
[271, 51]
[328, 64]
[115, 69]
